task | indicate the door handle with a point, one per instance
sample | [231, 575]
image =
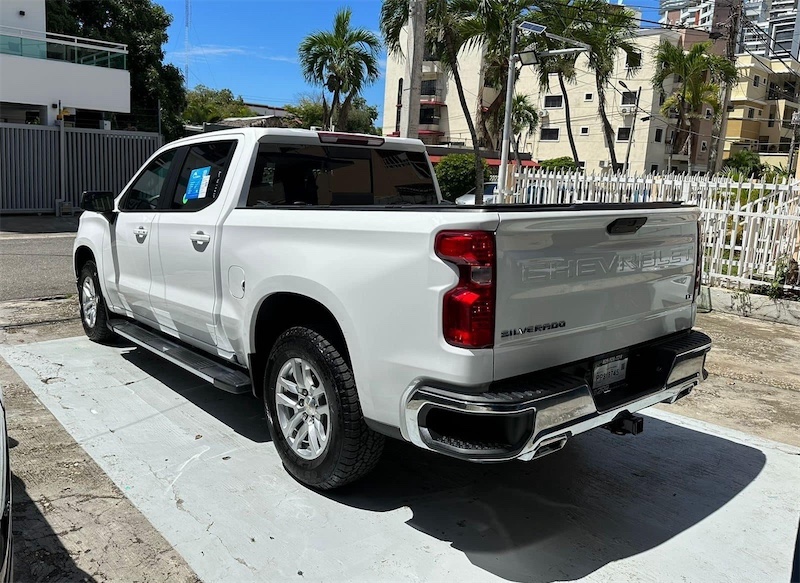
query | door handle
[200, 237]
[140, 232]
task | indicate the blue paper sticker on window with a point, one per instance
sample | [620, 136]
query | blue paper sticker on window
[198, 184]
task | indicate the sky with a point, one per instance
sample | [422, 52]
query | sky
[250, 46]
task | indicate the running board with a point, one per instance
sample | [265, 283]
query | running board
[227, 378]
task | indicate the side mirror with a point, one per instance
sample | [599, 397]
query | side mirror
[98, 201]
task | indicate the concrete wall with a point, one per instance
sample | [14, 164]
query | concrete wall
[42, 82]
[34, 18]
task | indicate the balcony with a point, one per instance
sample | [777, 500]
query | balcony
[58, 47]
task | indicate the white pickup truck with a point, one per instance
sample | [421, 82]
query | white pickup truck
[321, 273]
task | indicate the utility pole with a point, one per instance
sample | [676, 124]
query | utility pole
[732, 26]
[633, 126]
[415, 52]
[795, 123]
[502, 180]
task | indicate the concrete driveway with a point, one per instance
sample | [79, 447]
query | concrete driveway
[686, 500]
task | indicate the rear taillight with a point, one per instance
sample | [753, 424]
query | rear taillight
[698, 266]
[468, 310]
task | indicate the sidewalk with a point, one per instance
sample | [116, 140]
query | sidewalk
[35, 224]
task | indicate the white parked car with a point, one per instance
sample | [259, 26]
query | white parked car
[318, 272]
[489, 195]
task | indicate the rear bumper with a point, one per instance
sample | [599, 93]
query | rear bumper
[534, 415]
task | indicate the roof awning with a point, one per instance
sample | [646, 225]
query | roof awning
[492, 161]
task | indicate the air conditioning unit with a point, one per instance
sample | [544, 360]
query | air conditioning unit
[543, 113]
[626, 110]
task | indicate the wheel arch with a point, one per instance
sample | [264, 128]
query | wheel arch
[281, 311]
[83, 253]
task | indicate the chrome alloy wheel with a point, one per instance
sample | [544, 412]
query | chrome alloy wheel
[302, 406]
[89, 301]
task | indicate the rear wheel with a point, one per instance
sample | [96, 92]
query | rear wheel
[315, 417]
[93, 308]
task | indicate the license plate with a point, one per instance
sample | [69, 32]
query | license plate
[609, 371]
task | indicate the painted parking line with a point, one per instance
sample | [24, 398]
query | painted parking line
[684, 501]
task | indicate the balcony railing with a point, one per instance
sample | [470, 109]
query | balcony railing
[60, 47]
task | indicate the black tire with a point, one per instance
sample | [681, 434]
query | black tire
[352, 449]
[97, 330]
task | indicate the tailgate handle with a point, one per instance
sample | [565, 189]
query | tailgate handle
[625, 226]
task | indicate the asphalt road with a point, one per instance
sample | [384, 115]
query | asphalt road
[36, 266]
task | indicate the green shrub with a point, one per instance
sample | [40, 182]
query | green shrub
[456, 175]
[562, 163]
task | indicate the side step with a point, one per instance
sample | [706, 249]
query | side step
[227, 378]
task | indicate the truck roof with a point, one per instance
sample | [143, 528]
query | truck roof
[301, 135]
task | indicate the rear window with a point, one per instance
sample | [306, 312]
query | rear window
[322, 175]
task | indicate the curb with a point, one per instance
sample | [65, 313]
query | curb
[748, 305]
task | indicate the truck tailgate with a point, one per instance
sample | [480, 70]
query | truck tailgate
[575, 284]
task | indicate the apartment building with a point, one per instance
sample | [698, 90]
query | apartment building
[42, 70]
[762, 105]
[646, 143]
[768, 28]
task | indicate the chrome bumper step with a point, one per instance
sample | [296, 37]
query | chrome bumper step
[228, 378]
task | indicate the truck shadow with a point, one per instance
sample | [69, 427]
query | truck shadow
[602, 499]
[242, 413]
[38, 552]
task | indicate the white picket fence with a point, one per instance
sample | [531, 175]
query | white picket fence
[751, 229]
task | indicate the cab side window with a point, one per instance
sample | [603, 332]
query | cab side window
[202, 175]
[145, 194]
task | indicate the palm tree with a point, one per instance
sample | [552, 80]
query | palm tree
[491, 28]
[611, 30]
[343, 61]
[702, 76]
[444, 25]
[561, 18]
[524, 121]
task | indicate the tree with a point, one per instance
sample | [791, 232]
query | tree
[524, 120]
[611, 30]
[309, 111]
[342, 61]
[702, 76]
[561, 18]
[445, 25]
[142, 25]
[561, 163]
[745, 163]
[456, 175]
[209, 105]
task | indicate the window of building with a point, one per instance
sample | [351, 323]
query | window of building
[670, 137]
[145, 194]
[428, 115]
[653, 168]
[659, 134]
[553, 101]
[428, 87]
[751, 113]
[399, 104]
[582, 164]
[661, 98]
[202, 174]
[333, 175]
[584, 131]
[709, 112]
[549, 134]
[703, 146]
[633, 60]
[756, 81]
[623, 134]
[629, 98]
[588, 96]
[771, 122]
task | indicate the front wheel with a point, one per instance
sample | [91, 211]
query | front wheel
[93, 308]
[315, 417]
